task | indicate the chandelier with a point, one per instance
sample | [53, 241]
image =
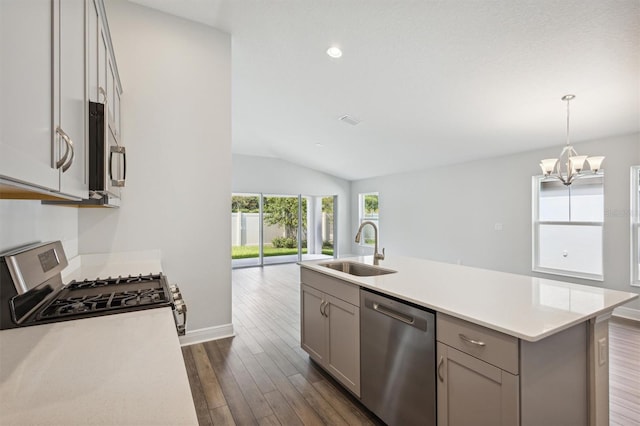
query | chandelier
[569, 166]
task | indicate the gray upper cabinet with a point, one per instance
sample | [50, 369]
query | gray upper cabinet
[93, 34]
[26, 135]
[56, 56]
[70, 109]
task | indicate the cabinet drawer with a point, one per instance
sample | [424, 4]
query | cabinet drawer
[350, 293]
[491, 346]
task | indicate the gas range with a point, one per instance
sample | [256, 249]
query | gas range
[32, 291]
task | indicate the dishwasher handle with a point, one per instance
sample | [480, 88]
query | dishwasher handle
[393, 314]
[411, 316]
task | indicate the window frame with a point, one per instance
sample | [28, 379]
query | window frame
[634, 213]
[536, 222]
[363, 218]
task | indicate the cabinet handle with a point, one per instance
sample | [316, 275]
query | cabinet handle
[326, 305]
[440, 364]
[103, 92]
[321, 311]
[475, 342]
[118, 150]
[63, 162]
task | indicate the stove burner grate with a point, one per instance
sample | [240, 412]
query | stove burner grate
[73, 285]
[75, 305]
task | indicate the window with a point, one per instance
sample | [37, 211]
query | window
[567, 227]
[368, 211]
[635, 225]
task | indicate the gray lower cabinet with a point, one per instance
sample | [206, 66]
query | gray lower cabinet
[473, 392]
[330, 327]
[489, 378]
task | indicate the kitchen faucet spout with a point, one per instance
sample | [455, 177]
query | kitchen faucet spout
[376, 256]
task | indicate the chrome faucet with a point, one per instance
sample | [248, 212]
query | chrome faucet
[376, 256]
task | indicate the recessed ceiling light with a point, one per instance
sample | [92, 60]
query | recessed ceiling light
[319, 145]
[334, 52]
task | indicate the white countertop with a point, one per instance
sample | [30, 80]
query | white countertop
[122, 369]
[525, 307]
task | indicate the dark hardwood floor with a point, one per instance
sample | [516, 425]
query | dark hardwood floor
[624, 372]
[262, 376]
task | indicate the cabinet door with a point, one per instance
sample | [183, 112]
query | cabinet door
[93, 38]
[70, 106]
[342, 358]
[111, 92]
[26, 150]
[313, 322]
[472, 392]
[102, 63]
[116, 111]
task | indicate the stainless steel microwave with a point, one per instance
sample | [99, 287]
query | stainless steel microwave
[107, 157]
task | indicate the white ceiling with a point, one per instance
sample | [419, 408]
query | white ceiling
[433, 82]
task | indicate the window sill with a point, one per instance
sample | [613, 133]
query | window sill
[570, 274]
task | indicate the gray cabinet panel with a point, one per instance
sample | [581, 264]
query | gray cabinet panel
[330, 331]
[70, 110]
[26, 86]
[473, 392]
[343, 351]
[554, 386]
[313, 335]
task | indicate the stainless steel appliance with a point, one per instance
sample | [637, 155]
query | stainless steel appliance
[107, 157]
[398, 359]
[32, 291]
[107, 166]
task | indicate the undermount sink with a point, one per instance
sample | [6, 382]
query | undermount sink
[358, 269]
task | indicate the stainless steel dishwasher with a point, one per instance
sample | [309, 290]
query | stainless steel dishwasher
[397, 360]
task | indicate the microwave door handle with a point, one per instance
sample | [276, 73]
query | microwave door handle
[118, 150]
[124, 165]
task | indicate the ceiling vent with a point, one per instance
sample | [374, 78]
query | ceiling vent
[349, 120]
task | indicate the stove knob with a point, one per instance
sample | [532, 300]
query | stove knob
[181, 308]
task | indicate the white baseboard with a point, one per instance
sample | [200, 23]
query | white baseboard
[628, 313]
[206, 334]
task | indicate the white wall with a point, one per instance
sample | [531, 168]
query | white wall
[273, 176]
[27, 221]
[176, 118]
[449, 214]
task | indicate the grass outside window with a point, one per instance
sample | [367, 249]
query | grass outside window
[246, 252]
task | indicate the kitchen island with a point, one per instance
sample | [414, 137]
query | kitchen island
[542, 343]
[122, 369]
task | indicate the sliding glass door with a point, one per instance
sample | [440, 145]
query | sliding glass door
[271, 228]
[280, 229]
[246, 234]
